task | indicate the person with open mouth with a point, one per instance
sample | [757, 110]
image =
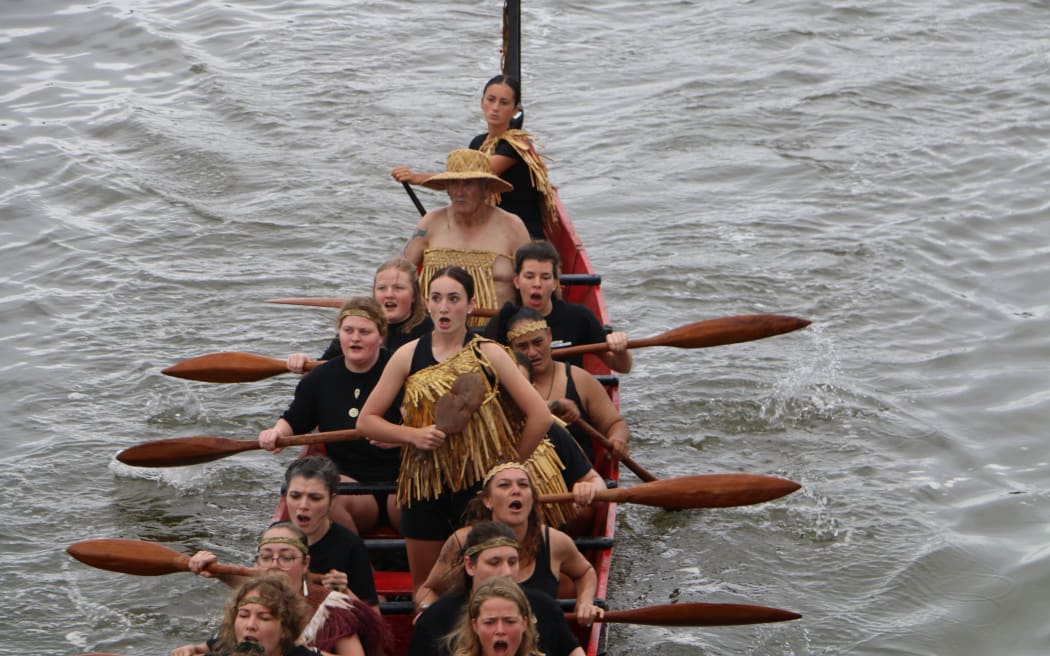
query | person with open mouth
[490, 551]
[331, 398]
[545, 555]
[341, 624]
[440, 472]
[396, 289]
[498, 622]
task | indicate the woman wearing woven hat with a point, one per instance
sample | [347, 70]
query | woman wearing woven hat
[545, 553]
[341, 624]
[513, 157]
[469, 232]
[443, 471]
[330, 398]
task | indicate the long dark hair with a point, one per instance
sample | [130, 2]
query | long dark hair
[508, 80]
[459, 274]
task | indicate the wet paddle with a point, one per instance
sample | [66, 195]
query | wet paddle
[600, 437]
[231, 367]
[702, 334]
[696, 614]
[699, 491]
[142, 558]
[179, 451]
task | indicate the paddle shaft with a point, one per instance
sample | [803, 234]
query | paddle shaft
[600, 437]
[415, 199]
[333, 302]
[703, 334]
[697, 614]
[143, 558]
[689, 492]
[179, 451]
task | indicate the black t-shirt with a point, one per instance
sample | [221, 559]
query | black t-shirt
[442, 617]
[344, 550]
[330, 398]
[571, 454]
[573, 324]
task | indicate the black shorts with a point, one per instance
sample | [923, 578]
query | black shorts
[436, 519]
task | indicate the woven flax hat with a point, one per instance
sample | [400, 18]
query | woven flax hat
[467, 164]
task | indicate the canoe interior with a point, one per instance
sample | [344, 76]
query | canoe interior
[395, 586]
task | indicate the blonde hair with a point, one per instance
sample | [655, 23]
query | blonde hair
[464, 641]
[287, 605]
[418, 310]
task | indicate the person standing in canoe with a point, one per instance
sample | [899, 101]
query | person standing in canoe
[536, 268]
[440, 475]
[513, 157]
[331, 397]
[469, 232]
[396, 289]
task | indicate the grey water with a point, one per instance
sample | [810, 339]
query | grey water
[878, 168]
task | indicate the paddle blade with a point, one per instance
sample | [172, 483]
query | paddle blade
[229, 367]
[130, 557]
[706, 491]
[728, 330]
[700, 614]
[180, 451]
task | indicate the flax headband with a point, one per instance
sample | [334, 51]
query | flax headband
[490, 544]
[355, 312]
[252, 599]
[281, 540]
[501, 467]
[525, 327]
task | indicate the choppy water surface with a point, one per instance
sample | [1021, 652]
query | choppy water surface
[880, 169]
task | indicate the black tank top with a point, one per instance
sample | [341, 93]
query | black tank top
[582, 438]
[543, 579]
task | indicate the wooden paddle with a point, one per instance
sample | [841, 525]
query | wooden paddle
[179, 451]
[696, 614]
[143, 558]
[332, 302]
[702, 334]
[231, 367]
[600, 437]
[699, 491]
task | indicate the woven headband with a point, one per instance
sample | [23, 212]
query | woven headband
[355, 312]
[283, 540]
[490, 544]
[252, 599]
[525, 327]
[501, 467]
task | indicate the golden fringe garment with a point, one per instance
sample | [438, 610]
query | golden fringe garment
[463, 458]
[545, 467]
[477, 263]
[522, 143]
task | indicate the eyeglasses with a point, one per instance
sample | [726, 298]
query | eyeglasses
[284, 561]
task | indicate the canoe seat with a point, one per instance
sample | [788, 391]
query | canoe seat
[393, 583]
